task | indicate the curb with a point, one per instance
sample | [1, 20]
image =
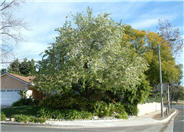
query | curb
[170, 124]
[168, 118]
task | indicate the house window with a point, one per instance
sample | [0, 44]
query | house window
[3, 90]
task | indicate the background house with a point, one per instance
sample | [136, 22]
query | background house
[12, 84]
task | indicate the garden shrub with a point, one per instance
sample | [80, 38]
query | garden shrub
[2, 116]
[24, 118]
[23, 102]
[63, 114]
[86, 115]
[37, 119]
[103, 109]
[74, 114]
[63, 102]
[131, 109]
[120, 110]
[25, 110]
[21, 118]
[50, 113]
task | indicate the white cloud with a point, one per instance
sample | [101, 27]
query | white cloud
[29, 50]
[68, 1]
[144, 23]
[150, 19]
[42, 19]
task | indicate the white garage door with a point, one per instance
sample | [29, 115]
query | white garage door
[8, 97]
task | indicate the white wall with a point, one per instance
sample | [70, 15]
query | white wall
[148, 108]
[7, 98]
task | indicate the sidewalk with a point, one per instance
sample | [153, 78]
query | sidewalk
[147, 119]
[132, 121]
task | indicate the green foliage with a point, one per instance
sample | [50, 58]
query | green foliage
[26, 68]
[25, 110]
[145, 43]
[36, 119]
[14, 67]
[25, 118]
[131, 109]
[93, 56]
[3, 70]
[74, 114]
[50, 113]
[22, 93]
[120, 110]
[65, 102]
[89, 54]
[2, 116]
[21, 118]
[103, 109]
[154, 97]
[70, 114]
[23, 102]
[178, 93]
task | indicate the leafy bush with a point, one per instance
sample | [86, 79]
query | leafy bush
[2, 116]
[120, 110]
[22, 102]
[102, 109]
[153, 97]
[37, 119]
[65, 102]
[131, 109]
[51, 113]
[74, 114]
[63, 114]
[177, 93]
[25, 110]
[24, 118]
[21, 118]
[86, 115]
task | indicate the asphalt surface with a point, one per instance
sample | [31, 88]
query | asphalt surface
[179, 119]
[149, 128]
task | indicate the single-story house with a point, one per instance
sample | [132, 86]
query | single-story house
[12, 84]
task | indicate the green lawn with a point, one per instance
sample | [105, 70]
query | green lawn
[26, 110]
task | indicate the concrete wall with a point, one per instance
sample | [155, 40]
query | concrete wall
[148, 108]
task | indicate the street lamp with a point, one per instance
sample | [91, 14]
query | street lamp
[161, 89]
[168, 99]
[168, 92]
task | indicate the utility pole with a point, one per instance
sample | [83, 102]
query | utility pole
[168, 98]
[161, 89]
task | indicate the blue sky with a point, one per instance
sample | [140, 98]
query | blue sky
[44, 16]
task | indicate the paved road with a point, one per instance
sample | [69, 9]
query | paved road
[150, 128]
[179, 120]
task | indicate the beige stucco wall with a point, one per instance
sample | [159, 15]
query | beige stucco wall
[8, 83]
[148, 108]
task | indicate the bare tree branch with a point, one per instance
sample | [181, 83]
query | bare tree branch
[172, 35]
[3, 3]
[6, 5]
[9, 27]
